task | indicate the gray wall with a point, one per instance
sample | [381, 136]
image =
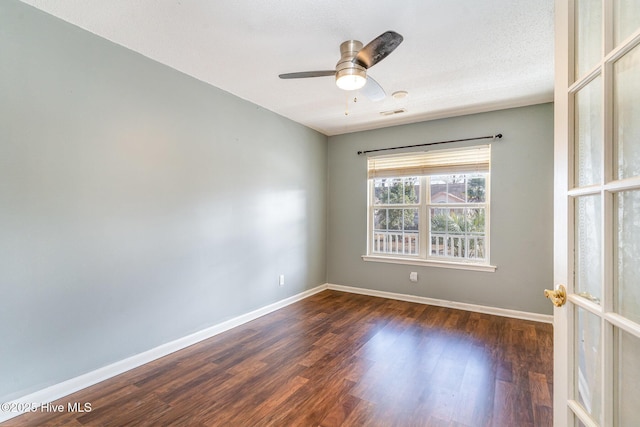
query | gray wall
[521, 211]
[137, 205]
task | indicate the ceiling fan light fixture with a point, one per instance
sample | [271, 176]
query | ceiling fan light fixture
[349, 75]
[351, 79]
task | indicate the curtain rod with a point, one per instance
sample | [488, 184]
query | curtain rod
[498, 136]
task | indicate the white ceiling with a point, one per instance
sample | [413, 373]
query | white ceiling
[458, 56]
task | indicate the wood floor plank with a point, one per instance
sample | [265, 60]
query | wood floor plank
[341, 411]
[476, 390]
[338, 359]
[272, 404]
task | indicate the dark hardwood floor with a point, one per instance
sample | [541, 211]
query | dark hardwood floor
[338, 359]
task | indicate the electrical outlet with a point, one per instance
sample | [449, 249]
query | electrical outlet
[413, 276]
[281, 280]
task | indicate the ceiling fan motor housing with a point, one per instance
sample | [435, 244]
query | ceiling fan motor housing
[349, 75]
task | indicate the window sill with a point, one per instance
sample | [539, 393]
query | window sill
[431, 263]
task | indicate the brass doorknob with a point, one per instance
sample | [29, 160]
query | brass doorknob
[557, 297]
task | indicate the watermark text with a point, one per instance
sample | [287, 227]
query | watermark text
[21, 407]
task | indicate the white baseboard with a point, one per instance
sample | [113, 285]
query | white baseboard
[524, 315]
[73, 385]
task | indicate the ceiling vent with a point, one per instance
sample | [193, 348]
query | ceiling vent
[392, 112]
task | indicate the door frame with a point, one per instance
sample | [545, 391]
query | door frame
[561, 374]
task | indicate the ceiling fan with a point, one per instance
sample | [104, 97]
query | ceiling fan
[355, 60]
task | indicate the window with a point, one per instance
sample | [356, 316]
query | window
[430, 208]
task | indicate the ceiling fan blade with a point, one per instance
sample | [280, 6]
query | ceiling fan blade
[378, 49]
[373, 90]
[306, 74]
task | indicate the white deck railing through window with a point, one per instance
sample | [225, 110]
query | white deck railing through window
[457, 246]
[443, 245]
[396, 242]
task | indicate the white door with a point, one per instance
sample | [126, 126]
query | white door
[597, 213]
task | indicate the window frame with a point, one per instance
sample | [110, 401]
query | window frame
[424, 205]
[403, 206]
[486, 205]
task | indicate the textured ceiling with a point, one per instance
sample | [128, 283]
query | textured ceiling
[458, 56]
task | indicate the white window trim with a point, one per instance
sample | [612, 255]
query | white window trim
[424, 258]
[407, 260]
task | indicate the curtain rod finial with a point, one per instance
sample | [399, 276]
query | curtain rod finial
[498, 136]
[360, 153]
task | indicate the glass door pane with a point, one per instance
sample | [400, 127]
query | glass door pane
[588, 130]
[628, 380]
[588, 49]
[628, 254]
[588, 387]
[588, 247]
[626, 109]
[626, 15]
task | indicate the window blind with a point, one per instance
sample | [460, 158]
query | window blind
[475, 159]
